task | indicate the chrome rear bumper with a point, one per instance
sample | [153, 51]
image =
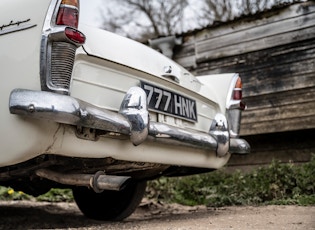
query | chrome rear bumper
[132, 119]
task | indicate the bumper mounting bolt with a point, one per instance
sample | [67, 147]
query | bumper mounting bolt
[31, 108]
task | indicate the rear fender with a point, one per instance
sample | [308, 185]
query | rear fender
[221, 86]
[224, 86]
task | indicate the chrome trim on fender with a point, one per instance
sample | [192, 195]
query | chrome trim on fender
[234, 118]
[132, 120]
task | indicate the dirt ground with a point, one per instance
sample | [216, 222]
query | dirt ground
[43, 215]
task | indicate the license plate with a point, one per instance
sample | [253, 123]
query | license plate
[168, 102]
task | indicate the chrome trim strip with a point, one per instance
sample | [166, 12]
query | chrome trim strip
[68, 6]
[16, 29]
[234, 118]
[131, 121]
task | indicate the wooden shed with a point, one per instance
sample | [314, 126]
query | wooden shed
[274, 53]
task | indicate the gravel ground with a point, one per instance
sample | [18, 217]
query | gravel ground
[43, 215]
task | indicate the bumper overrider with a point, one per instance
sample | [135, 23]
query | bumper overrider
[132, 119]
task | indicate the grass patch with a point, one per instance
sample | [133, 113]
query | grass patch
[10, 194]
[53, 195]
[57, 195]
[281, 184]
[276, 184]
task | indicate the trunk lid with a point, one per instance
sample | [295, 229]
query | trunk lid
[124, 51]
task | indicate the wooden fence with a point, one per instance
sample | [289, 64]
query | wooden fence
[274, 53]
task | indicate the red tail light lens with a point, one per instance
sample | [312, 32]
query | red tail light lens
[75, 35]
[237, 92]
[68, 17]
[68, 13]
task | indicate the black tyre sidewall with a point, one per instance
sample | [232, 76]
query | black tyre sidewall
[109, 205]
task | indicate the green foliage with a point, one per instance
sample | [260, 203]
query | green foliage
[57, 195]
[277, 184]
[10, 194]
[54, 195]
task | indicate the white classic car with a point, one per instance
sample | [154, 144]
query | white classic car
[86, 109]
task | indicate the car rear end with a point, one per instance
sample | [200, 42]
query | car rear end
[108, 65]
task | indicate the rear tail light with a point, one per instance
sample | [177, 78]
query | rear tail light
[75, 35]
[68, 13]
[235, 101]
[237, 91]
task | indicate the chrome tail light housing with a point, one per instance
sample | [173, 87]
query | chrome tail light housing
[235, 106]
[60, 39]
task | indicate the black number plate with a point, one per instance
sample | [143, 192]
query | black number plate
[168, 102]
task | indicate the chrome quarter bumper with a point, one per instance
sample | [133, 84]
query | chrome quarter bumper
[132, 119]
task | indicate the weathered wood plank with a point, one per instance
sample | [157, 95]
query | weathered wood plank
[294, 68]
[279, 111]
[250, 34]
[302, 14]
[257, 20]
[265, 156]
[270, 89]
[262, 60]
[280, 99]
[284, 28]
[259, 127]
[281, 83]
[282, 112]
[293, 146]
[229, 49]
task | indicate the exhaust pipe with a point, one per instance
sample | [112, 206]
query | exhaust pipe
[98, 182]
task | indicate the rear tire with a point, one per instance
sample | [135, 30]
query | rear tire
[109, 205]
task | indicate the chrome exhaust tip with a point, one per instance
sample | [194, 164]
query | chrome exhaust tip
[98, 181]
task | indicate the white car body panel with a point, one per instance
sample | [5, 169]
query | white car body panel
[21, 139]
